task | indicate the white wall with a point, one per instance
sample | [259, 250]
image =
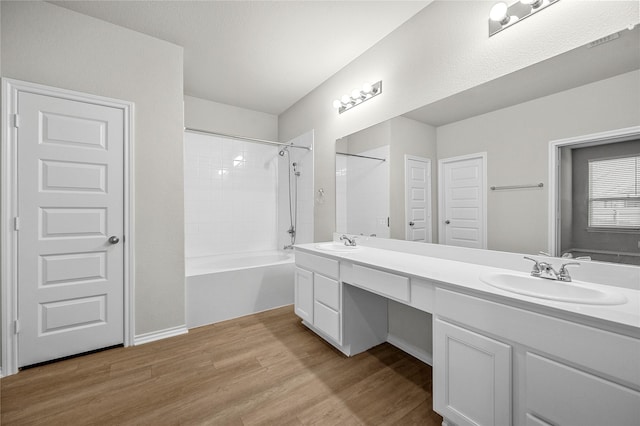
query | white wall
[413, 138]
[441, 51]
[47, 44]
[216, 117]
[516, 140]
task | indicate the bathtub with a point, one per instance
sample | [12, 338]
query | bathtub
[229, 286]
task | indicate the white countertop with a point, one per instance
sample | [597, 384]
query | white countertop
[467, 276]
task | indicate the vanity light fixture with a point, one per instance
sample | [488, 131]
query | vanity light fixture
[358, 96]
[502, 16]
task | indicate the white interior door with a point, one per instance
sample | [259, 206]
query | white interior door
[417, 172]
[71, 214]
[462, 195]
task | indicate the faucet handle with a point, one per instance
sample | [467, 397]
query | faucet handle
[563, 273]
[536, 267]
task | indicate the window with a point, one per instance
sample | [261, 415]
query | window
[614, 193]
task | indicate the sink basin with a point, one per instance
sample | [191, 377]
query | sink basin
[336, 246]
[572, 292]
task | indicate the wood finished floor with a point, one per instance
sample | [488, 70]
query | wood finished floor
[261, 369]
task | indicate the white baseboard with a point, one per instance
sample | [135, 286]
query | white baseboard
[412, 350]
[152, 336]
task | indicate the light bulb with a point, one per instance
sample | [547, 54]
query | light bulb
[366, 88]
[345, 99]
[499, 13]
[337, 104]
[356, 95]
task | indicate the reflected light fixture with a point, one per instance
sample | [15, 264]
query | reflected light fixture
[502, 16]
[357, 96]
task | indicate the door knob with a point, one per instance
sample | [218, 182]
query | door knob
[114, 240]
[411, 223]
[447, 221]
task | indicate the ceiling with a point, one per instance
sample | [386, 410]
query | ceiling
[260, 55]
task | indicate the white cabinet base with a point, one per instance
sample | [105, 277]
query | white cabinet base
[472, 377]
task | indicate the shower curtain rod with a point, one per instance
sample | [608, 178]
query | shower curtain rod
[361, 156]
[244, 138]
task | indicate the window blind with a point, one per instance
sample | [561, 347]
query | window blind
[614, 193]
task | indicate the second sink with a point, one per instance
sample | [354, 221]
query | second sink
[336, 246]
[574, 292]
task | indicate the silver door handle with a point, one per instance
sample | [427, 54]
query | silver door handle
[114, 240]
[411, 223]
[447, 222]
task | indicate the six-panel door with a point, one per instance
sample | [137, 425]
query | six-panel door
[70, 202]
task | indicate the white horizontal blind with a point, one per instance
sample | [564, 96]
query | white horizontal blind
[614, 193]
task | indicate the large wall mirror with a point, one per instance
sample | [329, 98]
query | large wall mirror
[473, 169]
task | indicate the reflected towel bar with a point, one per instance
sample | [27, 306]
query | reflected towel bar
[533, 185]
[360, 156]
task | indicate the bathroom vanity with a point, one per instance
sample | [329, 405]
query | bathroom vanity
[499, 357]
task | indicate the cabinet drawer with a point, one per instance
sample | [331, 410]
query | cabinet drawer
[384, 283]
[327, 320]
[586, 399]
[327, 291]
[323, 265]
[586, 346]
[423, 295]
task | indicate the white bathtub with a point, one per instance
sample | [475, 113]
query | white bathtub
[230, 286]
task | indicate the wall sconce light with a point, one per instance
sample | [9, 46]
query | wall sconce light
[502, 16]
[358, 96]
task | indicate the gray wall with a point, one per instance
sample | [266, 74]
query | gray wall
[413, 138]
[516, 140]
[581, 238]
[216, 117]
[47, 44]
[466, 57]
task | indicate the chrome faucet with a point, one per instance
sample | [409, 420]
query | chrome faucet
[563, 273]
[545, 270]
[348, 241]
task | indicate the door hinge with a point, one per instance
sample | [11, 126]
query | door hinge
[16, 120]
[16, 223]
[16, 326]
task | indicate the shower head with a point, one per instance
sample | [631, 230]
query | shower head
[283, 150]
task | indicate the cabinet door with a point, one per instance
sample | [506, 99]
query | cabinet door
[303, 298]
[567, 396]
[472, 377]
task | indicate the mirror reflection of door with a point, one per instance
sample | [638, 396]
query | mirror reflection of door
[418, 198]
[600, 201]
[462, 201]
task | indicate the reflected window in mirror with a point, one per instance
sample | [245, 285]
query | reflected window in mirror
[600, 202]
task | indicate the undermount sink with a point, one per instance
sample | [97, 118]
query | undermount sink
[336, 246]
[572, 292]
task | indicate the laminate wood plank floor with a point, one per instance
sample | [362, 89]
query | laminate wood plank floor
[263, 369]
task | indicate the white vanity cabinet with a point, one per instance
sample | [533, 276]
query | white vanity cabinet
[317, 294]
[472, 376]
[496, 364]
[351, 319]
